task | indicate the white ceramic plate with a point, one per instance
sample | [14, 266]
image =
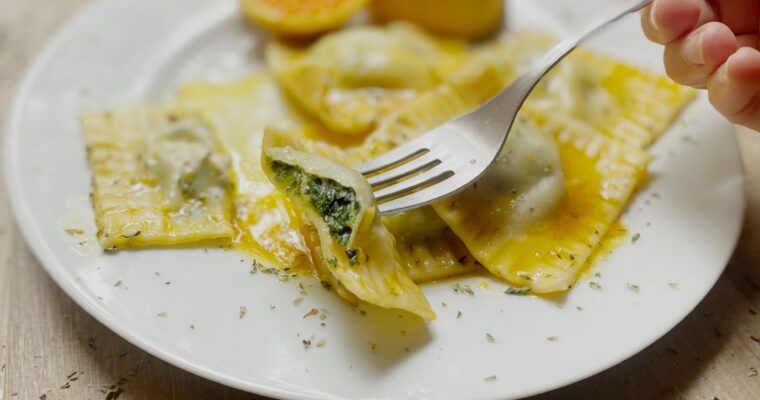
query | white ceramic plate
[121, 52]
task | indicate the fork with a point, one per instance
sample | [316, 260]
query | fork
[448, 158]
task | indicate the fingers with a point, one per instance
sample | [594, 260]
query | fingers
[735, 88]
[668, 20]
[692, 59]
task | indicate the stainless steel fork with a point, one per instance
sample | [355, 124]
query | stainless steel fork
[448, 158]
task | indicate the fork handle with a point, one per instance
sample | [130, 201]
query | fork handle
[512, 98]
[561, 50]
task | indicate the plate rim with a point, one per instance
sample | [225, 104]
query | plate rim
[46, 257]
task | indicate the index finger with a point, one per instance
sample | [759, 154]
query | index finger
[668, 20]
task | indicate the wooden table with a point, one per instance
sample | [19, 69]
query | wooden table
[44, 335]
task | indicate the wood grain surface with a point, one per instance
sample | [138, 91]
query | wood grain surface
[44, 335]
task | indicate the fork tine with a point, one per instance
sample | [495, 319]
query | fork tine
[392, 157]
[423, 162]
[423, 197]
[437, 172]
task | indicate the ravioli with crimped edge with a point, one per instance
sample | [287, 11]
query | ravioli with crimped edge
[353, 242]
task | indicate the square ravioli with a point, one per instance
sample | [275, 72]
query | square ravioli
[159, 178]
[536, 217]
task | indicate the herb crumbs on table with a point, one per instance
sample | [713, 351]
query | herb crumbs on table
[313, 311]
[117, 284]
[490, 378]
[752, 372]
[673, 285]
[552, 338]
[635, 237]
[373, 346]
[579, 308]
[459, 288]
[633, 287]
[306, 343]
[321, 343]
[66, 385]
[91, 343]
[459, 314]
[297, 301]
[243, 310]
[595, 285]
[162, 314]
[490, 337]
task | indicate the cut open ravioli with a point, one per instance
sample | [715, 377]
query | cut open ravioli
[525, 223]
[353, 242]
[351, 79]
[159, 178]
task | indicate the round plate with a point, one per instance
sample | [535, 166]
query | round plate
[122, 52]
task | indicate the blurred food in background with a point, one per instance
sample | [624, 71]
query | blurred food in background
[301, 17]
[472, 19]
[468, 19]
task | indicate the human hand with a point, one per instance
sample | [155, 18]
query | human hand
[713, 45]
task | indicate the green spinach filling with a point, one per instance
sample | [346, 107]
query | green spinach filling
[336, 204]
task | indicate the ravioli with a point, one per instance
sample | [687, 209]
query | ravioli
[624, 102]
[354, 244]
[429, 250]
[159, 178]
[349, 80]
[536, 217]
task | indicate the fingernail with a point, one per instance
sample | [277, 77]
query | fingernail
[693, 49]
[652, 17]
[723, 74]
